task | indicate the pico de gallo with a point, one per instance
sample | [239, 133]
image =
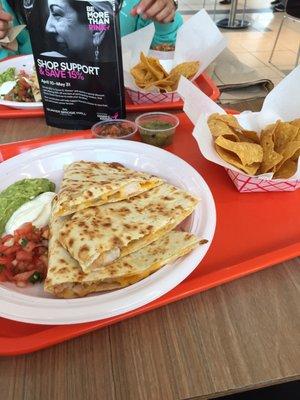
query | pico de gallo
[24, 255]
[22, 91]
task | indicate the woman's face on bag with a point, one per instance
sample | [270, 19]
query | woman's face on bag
[72, 35]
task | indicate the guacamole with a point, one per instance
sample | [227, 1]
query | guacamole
[8, 75]
[158, 133]
[20, 193]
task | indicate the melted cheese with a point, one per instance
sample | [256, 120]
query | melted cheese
[71, 290]
[137, 244]
[134, 189]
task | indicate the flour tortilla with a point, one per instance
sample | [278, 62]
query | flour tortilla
[97, 236]
[87, 184]
[65, 278]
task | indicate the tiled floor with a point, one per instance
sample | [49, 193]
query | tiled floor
[253, 45]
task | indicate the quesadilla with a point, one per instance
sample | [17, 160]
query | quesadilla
[87, 184]
[97, 236]
[65, 278]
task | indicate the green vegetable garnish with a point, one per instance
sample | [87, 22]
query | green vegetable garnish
[24, 242]
[20, 193]
[2, 267]
[36, 277]
[8, 75]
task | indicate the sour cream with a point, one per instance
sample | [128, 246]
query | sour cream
[36, 211]
[6, 87]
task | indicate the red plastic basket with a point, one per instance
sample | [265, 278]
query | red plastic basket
[204, 82]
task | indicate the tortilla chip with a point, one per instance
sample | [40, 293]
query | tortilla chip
[287, 169]
[248, 136]
[270, 157]
[187, 69]
[233, 159]
[284, 133]
[154, 66]
[289, 152]
[230, 120]
[280, 143]
[149, 74]
[167, 89]
[138, 72]
[246, 156]
[296, 122]
[219, 127]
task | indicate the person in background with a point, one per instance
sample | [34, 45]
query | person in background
[134, 15]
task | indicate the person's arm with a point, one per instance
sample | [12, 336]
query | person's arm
[164, 15]
[5, 19]
[23, 37]
[164, 33]
[158, 10]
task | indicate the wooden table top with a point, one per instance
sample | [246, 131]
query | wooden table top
[237, 336]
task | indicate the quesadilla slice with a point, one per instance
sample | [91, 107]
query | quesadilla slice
[87, 184]
[65, 278]
[97, 236]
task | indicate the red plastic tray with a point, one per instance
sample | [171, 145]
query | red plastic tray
[254, 231]
[204, 82]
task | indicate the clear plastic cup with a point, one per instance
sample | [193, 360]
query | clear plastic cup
[157, 128]
[112, 129]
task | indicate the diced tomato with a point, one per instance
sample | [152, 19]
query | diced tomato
[5, 242]
[45, 232]
[23, 277]
[5, 238]
[24, 229]
[30, 246]
[42, 264]
[12, 249]
[23, 254]
[5, 260]
[41, 250]
[22, 266]
[34, 236]
[9, 275]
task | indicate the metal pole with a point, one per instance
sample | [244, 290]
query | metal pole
[244, 11]
[232, 22]
[277, 37]
[232, 13]
[215, 8]
[298, 56]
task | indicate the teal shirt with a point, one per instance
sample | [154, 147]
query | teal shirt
[164, 33]
[23, 37]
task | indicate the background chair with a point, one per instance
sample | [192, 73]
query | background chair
[292, 12]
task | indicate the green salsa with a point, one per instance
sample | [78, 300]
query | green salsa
[158, 133]
[156, 125]
[20, 193]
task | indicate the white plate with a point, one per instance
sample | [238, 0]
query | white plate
[25, 63]
[32, 304]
